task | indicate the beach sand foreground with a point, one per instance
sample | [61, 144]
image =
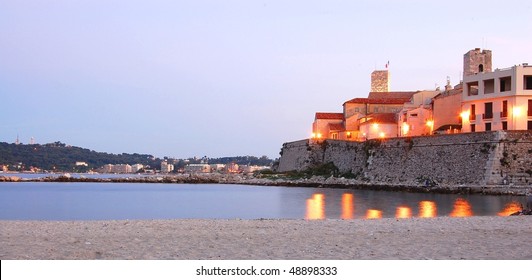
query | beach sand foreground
[417, 238]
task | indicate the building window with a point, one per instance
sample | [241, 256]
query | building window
[528, 82]
[506, 84]
[529, 111]
[480, 68]
[488, 111]
[334, 136]
[348, 135]
[489, 86]
[472, 128]
[413, 115]
[529, 125]
[504, 113]
[504, 125]
[472, 116]
[488, 127]
[472, 88]
[357, 110]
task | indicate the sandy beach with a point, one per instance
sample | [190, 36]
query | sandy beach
[436, 238]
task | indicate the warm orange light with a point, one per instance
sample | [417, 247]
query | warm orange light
[465, 115]
[430, 123]
[461, 208]
[313, 135]
[319, 135]
[516, 111]
[316, 207]
[382, 135]
[347, 206]
[405, 128]
[375, 126]
[373, 214]
[427, 209]
[403, 212]
[511, 208]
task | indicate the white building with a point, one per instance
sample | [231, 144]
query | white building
[416, 117]
[217, 167]
[197, 168]
[495, 100]
[136, 167]
[121, 168]
[166, 167]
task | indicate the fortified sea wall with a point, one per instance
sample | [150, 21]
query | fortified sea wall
[483, 159]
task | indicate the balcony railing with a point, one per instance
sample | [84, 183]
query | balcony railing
[472, 117]
[504, 114]
[486, 116]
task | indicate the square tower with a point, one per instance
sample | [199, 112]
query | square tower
[477, 61]
[380, 81]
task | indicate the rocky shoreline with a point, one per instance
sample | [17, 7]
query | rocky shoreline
[279, 180]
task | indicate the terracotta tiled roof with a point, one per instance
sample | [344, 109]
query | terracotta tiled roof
[379, 118]
[378, 100]
[336, 127]
[392, 94]
[329, 116]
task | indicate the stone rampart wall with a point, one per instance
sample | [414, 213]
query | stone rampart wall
[484, 158]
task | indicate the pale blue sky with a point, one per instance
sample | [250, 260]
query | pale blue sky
[225, 78]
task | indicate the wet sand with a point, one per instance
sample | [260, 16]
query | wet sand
[501, 238]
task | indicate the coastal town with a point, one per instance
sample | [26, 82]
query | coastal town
[265, 139]
[474, 135]
[486, 99]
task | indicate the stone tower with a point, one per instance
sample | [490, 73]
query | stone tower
[477, 61]
[380, 81]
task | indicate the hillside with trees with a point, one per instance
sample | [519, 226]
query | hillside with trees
[58, 156]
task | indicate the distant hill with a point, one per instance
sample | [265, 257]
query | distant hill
[58, 156]
[61, 157]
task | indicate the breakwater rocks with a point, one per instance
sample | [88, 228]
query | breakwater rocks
[176, 179]
[284, 180]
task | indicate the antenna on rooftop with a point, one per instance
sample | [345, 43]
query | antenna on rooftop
[17, 141]
[32, 141]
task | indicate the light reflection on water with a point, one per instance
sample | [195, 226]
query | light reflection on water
[462, 208]
[510, 208]
[348, 207]
[373, 214]
[427, 209]
[403, 212]
[106, 201]
[316, 207]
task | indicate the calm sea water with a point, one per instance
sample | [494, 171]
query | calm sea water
[109, 201]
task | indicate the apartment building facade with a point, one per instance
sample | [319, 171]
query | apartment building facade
[495, 100]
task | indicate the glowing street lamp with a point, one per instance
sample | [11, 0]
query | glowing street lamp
[430, 124]
[516, 112]
[465, 115]
[405, 128]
